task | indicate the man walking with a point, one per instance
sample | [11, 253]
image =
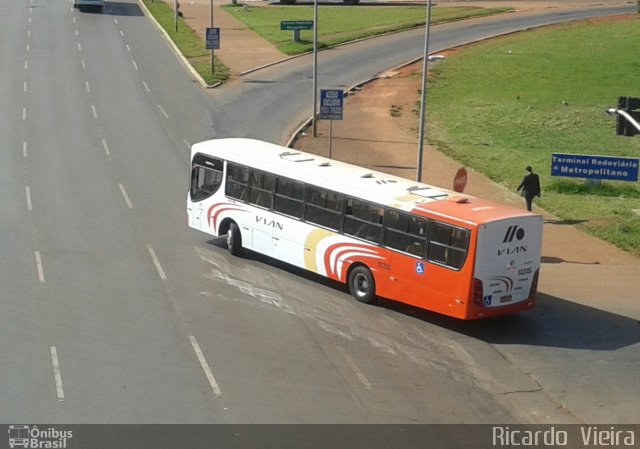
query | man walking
[530, 187]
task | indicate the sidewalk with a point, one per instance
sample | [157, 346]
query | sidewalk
[240, 48]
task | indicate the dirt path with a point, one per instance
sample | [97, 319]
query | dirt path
[380, 125]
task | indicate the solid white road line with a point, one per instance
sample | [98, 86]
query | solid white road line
[156, 262]
[355, 368]
[205, 366]
[39, 266]
[125, 196]
[106, 148]
[27, 191]
[56, 373]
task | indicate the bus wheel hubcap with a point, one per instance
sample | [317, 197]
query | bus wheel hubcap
[362, 285]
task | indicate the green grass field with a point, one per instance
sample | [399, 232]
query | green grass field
[343, 23]
[513, 101]
[189, 43]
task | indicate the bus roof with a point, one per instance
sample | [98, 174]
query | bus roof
[359, 182]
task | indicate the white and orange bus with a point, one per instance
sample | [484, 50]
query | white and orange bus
[382, 235]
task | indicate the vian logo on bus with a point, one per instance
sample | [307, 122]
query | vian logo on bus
[274, 224]
[513, 231]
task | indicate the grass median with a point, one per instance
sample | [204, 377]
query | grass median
[513, 101]
[190, 44]
[339, 24]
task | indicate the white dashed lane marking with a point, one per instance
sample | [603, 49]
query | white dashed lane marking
[205, 366]
[57, 373]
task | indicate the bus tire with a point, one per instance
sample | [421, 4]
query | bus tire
[234, 239]
[362, 285]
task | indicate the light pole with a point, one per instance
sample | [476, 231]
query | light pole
[175, 14]
[423, 101]
[315, 67]
[212, 64]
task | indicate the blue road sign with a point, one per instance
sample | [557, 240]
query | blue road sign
[296, 25]
[331, 102]
[213, 38]
[595, 167]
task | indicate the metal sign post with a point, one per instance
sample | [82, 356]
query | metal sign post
[212, 41]
[331, 108]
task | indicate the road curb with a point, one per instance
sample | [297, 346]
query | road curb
[175, 48]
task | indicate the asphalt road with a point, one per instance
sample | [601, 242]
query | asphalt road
[114, 312]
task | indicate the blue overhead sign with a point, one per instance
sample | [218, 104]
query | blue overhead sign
[331, 104]
[595, 167]
[213, 39]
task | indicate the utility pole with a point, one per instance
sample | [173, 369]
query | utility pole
[423, 101]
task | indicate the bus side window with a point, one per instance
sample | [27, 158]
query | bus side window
[323, 207]
[261, 189]
[289, 197]
[405, 232]
[204, 182]
[448, 245]
[363, 220]
[237, 182]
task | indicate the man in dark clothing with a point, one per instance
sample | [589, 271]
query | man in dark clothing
[530, 187]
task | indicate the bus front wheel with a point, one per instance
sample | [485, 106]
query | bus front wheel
[362, 285]
[234, 240]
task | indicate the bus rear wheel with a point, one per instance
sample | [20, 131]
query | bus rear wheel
[234, 240]
[362, 285]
